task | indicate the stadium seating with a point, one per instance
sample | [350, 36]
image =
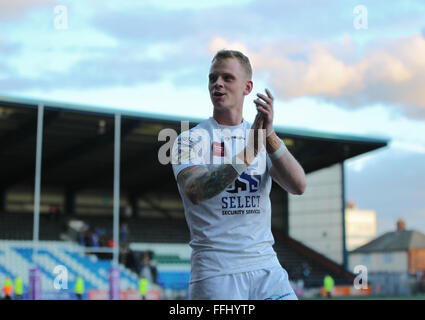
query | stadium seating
[158, 235]
[292, 254]
[18, 226]
[16, 259]
[146, 229]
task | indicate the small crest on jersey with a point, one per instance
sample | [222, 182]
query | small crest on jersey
[218, 149]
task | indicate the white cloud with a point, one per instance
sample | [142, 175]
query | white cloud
[219, 43]
[390, 71]
[17, 9]
[409, 146]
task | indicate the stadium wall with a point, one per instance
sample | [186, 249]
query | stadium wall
[316, 217]
[396, 261]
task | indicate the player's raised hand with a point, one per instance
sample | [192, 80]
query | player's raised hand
[256, 137]
[264, 106]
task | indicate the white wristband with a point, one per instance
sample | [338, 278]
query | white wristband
[279, 152]
[239, 167]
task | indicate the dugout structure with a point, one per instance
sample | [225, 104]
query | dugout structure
[77, 170]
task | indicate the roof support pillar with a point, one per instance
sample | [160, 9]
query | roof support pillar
[117, 154]
[344, 246]
[37, 185]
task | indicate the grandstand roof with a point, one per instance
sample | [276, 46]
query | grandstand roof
[78, 144]
[400, 240]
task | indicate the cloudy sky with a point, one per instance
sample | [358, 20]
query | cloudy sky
[354, 67]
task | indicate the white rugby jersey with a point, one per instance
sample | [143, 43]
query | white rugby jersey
[230, 232]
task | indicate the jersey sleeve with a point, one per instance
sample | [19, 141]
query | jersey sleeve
[188, 151]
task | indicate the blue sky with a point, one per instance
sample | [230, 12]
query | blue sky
[326, 73]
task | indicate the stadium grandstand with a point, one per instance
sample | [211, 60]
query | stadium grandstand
[63, 211]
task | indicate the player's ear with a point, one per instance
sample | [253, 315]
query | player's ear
[248, 87]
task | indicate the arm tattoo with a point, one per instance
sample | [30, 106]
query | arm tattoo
[204, 182]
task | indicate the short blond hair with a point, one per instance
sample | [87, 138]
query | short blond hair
[243, 59]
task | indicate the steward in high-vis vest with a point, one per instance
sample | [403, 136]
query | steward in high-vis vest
[79, 288]
[328, 283]
[19, 288]
[143, 287]
[8, 288]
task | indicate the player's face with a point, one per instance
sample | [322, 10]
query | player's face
[228, 83]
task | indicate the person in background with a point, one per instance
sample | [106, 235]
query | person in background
[53, 212]
[124, 232]
[143, 287]
[92, 237]
[19, 288]
[306, 270]
[148, 269]
[8, 289]
[82, 236]
[328, 283]
[79, 288]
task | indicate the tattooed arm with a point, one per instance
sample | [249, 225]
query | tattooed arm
[204, 182]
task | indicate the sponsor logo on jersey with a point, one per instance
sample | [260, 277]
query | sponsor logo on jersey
[243, 203]
[218, 149]
[245, 182]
